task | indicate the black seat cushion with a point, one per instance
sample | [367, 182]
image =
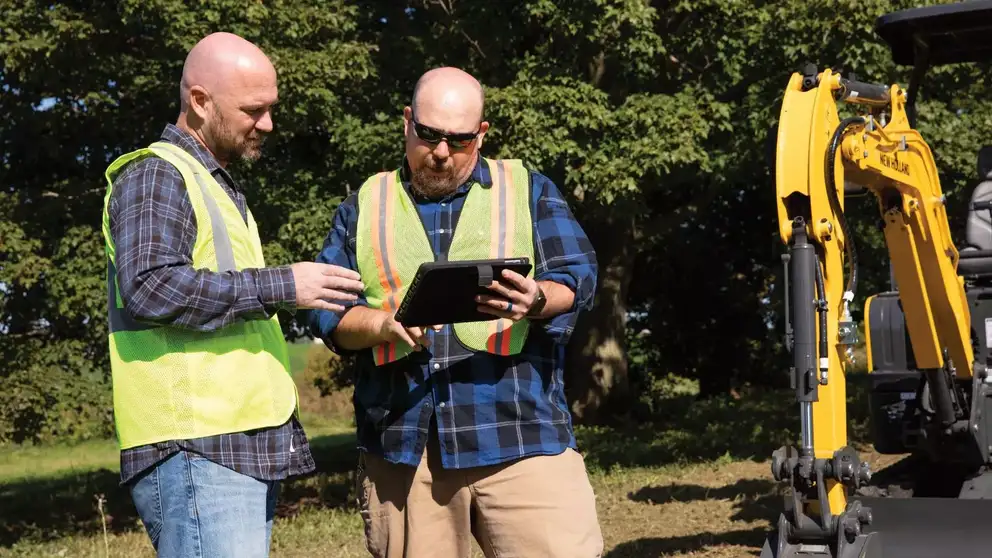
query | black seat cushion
[975, 263]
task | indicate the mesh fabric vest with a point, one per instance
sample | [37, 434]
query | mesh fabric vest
[495, 222]
[171, 383]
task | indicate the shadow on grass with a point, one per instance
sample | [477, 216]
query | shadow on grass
[754, 499]
[688, 430]
[50, 508]
[677, 546]
[53, 507]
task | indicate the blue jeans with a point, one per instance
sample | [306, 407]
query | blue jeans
[193, 507]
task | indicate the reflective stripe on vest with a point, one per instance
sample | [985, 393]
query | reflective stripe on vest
[383, 205]
[495, 222]
[172, 383]
[501, 221]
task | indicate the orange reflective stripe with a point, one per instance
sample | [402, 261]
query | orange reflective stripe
[382, 247]
[382, 241]
[501, 221]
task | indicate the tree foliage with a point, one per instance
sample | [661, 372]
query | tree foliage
[655, 118]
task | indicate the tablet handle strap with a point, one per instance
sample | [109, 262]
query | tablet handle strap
[485, 275]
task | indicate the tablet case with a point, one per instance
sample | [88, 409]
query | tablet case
[444, 292]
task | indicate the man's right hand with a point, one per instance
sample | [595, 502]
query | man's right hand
[392, 331]
[323, 286]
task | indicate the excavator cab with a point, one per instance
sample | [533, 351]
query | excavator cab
[928, 337]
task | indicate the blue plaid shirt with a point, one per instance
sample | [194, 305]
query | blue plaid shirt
[488, 409]
[154, 228]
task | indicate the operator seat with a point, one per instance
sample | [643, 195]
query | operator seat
[976, 255]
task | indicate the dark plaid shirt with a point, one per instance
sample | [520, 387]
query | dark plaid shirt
[488, 409]
[154, 229]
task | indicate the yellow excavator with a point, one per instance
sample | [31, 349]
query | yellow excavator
[928, 338]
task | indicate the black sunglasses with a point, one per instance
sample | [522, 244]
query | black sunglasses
[434, 136]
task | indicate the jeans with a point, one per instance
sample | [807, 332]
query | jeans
[192, 507]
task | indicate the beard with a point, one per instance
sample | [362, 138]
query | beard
[229, 146]
[434, 178]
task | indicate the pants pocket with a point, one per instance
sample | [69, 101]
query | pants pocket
[374, 513]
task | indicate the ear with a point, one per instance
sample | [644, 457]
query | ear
[483, 128]
[407, 118]
[199, 101]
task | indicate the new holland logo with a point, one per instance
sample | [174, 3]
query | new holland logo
[894, 164]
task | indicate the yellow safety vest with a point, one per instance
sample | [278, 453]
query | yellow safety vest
[391, 243]
[171, 383]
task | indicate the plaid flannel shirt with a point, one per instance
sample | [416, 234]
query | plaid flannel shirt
[154, 229]
[487, 409]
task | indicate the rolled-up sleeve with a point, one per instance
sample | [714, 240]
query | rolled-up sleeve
[339, 249]
[563, 254]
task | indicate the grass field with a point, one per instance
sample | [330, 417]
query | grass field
[694, 483]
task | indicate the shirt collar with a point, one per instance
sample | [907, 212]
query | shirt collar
[183, 139]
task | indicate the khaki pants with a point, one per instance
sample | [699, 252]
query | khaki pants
[537, 506]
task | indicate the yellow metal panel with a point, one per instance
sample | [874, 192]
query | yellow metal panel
[912, 291]
[792, 150]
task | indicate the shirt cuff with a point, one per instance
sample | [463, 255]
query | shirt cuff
[277, 288]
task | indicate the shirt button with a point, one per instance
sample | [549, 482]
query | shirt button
[437, 366]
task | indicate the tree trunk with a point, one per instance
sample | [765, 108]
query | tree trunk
[596, 367]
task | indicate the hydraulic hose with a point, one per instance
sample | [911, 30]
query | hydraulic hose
[852, 253]
[821, 310]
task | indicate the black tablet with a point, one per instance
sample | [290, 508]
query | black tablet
[444, 292]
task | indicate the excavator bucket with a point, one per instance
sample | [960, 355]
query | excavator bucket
[907, 528]
[931, 527]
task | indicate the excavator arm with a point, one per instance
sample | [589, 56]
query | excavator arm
[820, 158]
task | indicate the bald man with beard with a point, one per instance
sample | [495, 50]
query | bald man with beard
[205, 407]
[463, 429]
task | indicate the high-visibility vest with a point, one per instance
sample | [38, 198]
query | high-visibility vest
[391, 243]
[171, 383]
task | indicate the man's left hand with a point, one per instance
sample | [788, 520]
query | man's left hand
[513, 296]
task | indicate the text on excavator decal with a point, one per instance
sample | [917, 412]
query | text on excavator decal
[894, 164]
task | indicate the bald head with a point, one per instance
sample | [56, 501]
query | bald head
[450, 91]
[227, 90]
[219, 57]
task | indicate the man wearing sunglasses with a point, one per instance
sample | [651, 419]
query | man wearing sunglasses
[463, 429]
